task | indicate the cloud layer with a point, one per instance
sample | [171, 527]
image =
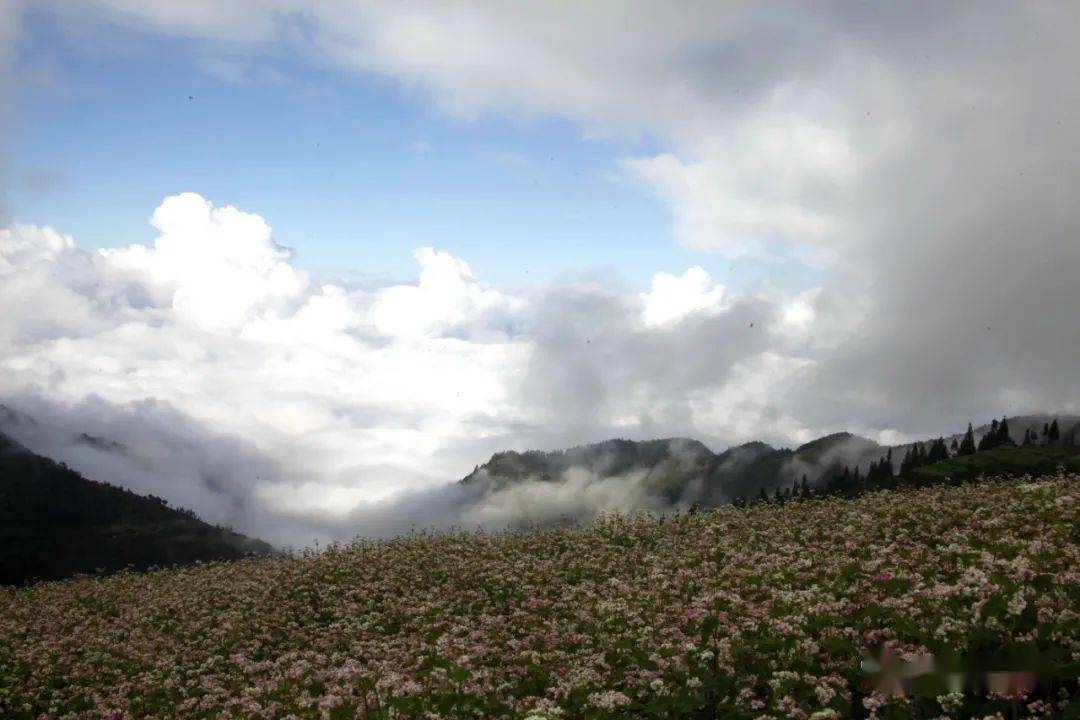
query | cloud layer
[920, 156]
[330, 398]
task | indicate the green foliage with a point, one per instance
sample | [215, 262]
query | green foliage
[54, 523]
[967, 445]
[1001, 460]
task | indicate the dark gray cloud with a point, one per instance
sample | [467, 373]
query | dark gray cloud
[964, 238]
[593, 361]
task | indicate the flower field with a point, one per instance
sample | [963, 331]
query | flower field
[938, 602]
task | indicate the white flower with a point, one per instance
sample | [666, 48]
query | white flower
[608, 700]
[1018, 603]
[951, 702]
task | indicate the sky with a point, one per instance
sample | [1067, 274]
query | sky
[304, 260]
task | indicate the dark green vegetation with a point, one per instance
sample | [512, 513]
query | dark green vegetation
[1004, 460]
[995, 453]
[683, 471]
[55, 523]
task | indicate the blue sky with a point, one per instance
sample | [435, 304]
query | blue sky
[352, 171]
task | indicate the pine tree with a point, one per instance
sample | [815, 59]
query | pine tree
[990, 439]
[1027, 436]
[1054, 433]
[1046, 432]
[1004, 438]
[954, 448]
[938, 451]
[967, 445]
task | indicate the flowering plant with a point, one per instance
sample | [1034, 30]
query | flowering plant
[763, 612]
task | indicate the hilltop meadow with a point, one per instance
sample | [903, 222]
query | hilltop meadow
[947, 601]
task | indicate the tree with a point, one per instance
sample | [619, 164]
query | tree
[989, 440]
[967, 445]
[955, 447]
[905, 462]
[1004, 437]
[880, 472]
[844, 483]
[1054, 434]
[1046, 432]
[938, 451]
[1028, 440]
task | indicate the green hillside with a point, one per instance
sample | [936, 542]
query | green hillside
[1003, 460]
[55, 523]
[680, 472]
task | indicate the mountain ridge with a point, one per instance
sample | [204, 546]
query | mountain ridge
[686, 471]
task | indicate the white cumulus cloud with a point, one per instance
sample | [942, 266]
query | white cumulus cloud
[344, 397]
[672, 297]
[219, 266]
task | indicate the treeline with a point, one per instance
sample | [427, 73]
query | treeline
[884, 474]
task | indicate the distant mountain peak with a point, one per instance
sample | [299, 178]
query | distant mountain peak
[833, 439]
